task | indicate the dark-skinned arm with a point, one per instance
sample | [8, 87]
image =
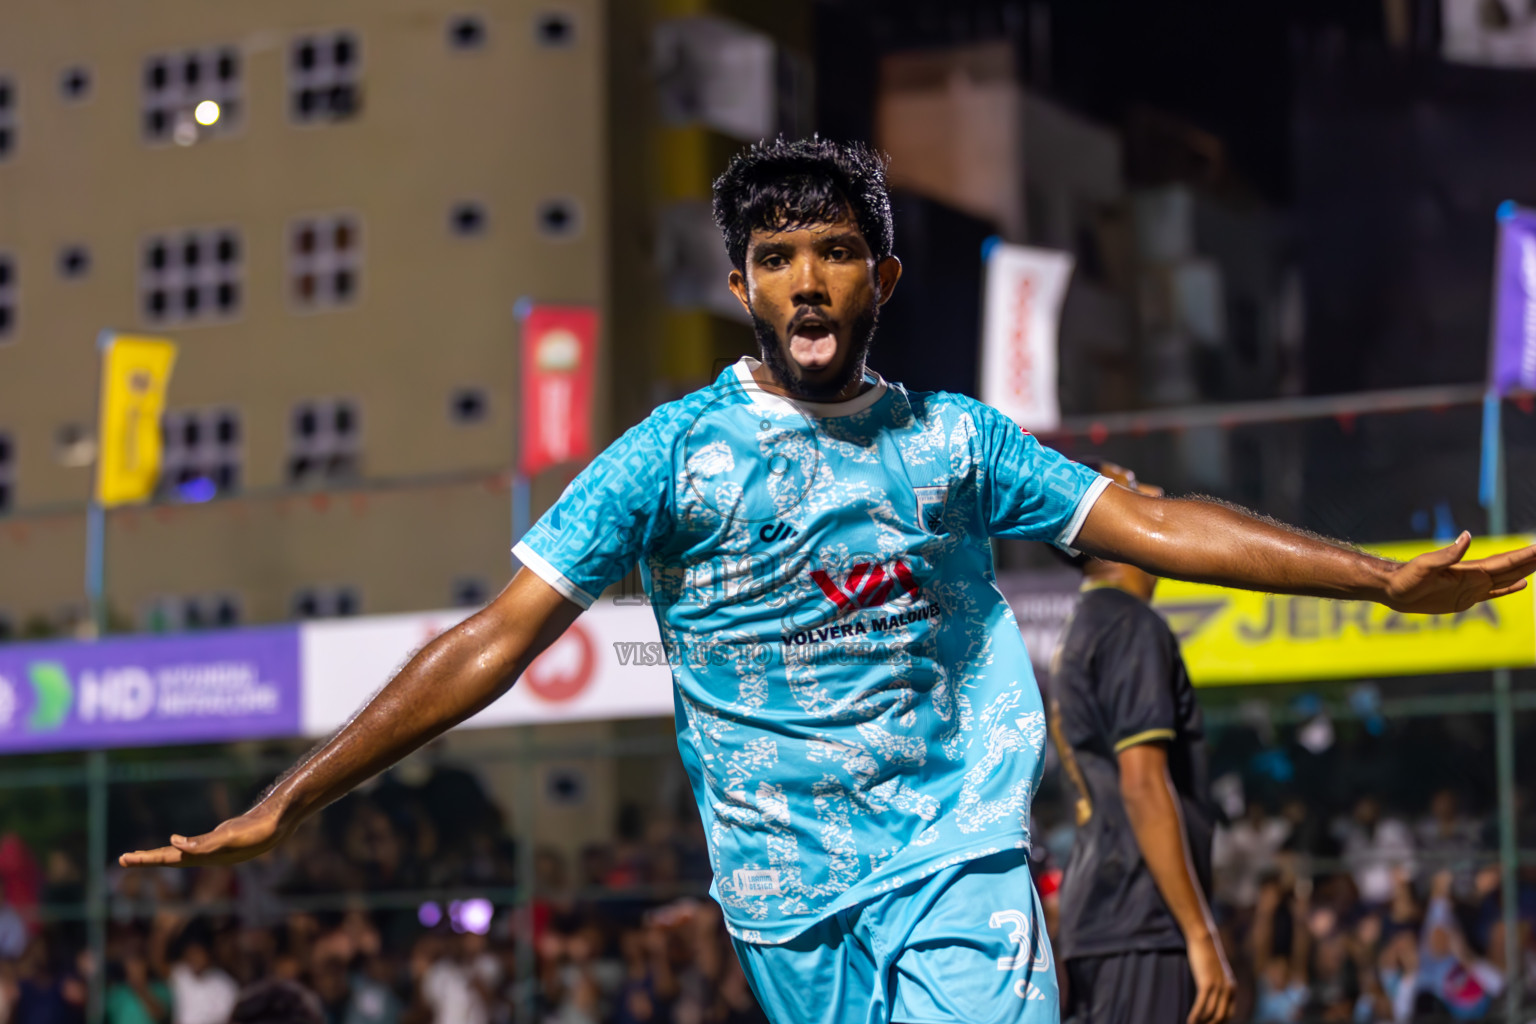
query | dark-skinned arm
[450, 679]
[1208, 542]
[1155, 817]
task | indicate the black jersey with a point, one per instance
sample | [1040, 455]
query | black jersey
[1118, 680]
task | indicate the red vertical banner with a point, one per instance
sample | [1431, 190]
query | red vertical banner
[559, 350]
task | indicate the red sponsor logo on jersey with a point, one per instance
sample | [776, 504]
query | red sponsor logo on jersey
[867, 585]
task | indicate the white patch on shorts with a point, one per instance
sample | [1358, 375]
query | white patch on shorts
[756, 882]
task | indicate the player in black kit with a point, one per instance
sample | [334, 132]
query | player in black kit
[1136, 934]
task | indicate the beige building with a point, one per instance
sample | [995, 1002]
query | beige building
[334, 210]
[337, 251]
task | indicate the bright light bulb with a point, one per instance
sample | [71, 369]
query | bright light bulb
[207, 112]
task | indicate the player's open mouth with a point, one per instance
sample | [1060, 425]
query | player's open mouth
[812, 344]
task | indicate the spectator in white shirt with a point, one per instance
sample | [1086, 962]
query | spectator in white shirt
[456, 976]
[1373, 848]
[1243, 851]
[201, 992]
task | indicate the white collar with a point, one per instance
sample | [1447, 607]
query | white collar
[761, 396]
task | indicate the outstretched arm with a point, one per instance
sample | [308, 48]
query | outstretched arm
[447, 681]
[1208, 542]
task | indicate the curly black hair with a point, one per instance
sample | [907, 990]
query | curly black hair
[781, 183]
[277, 1002]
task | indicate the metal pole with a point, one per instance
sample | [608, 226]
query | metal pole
[96, 767]
[96, 884]
[96, 566]
[96, 780]
[1495, 500]
[522, 915]
[521, 497]
[1504, 745]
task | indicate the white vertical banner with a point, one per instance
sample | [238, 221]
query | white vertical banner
[1025, 289]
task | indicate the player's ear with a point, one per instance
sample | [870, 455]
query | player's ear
[738, 284]
[888, 271]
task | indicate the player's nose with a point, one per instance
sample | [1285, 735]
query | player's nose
[809, 287]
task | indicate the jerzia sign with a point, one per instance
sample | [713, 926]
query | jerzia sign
[1235, 636]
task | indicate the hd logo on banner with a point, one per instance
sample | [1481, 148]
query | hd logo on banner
[1020, 321]
[148, 691]
[1236, 636]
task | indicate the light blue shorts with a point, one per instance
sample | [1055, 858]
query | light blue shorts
[965, 945]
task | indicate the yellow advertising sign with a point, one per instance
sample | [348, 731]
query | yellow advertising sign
[1235, 636]
[134, 375]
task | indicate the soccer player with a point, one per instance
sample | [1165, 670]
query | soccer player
[1136, 934]
[855, 707]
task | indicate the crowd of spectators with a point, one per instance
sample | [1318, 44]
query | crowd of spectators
[1370, 917]
[397, 906]
[392, 907]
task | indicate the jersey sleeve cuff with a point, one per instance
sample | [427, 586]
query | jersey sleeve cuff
[1068, 535]
[541, 568]
[1146, 736]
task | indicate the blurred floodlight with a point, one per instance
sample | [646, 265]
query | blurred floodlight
[472, 915]
[207, 113]
[429, 914]
[197, 490]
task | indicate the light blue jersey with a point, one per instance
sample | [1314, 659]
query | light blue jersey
[855, 706]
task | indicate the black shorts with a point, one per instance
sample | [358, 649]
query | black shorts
[1130, 988]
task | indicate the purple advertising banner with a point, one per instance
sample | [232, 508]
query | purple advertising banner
[146, 691]
[1513, 366]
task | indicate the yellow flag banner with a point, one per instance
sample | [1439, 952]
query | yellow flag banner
[1233, 637]
[134, 375]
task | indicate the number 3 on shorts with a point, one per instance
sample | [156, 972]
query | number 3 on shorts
[1022, 937]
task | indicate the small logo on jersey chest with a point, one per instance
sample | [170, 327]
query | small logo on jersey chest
[930, 507]
[756, 881]
[775, 532]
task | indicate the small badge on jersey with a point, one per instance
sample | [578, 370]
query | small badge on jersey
[930, 507]
[756, 881]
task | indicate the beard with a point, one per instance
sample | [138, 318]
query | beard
[776, 357]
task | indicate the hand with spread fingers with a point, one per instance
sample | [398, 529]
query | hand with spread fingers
[239, 839]
[1442, 581]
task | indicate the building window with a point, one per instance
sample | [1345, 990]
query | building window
[74, 446]
[326, 602]
[169, 614]
[7, 297]
[554, 29]
[467, 218]
[559, 218]
[324, 76]
[7, 117]
[466, 33]
[75, 84]
[324, 260]
[201, 455]
[469, 592]
[467, 405]
[74, 261]
[7, 473]
[188, 96]
[191, 276]
[325, 441]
